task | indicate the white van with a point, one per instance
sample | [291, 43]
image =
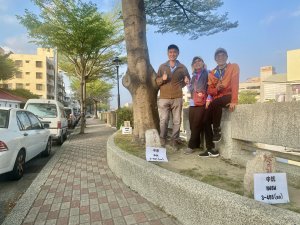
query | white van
[50, 112]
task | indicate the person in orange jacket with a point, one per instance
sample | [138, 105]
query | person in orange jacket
[223, 86]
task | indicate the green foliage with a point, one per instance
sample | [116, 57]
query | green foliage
[23, 93]
[193, 17]
[124, 114]
[97, 90]
[84, 37]
[7, 67]
[248, 97]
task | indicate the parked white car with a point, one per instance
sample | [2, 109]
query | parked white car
[22, 137]
[50, 112]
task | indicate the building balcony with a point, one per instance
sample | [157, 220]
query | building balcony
[50, 73]
[50, 82]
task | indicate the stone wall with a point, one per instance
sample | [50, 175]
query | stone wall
[190, 201]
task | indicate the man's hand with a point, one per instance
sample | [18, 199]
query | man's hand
[165, 76]
[231, 106]
[207, 104]
[186, 80]
[220, 86]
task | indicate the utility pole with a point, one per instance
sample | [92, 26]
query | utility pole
[117, 62]
[55, 72]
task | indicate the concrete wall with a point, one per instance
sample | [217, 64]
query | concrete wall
[191, 202]
[274, 124]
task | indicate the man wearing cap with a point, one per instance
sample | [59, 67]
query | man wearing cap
[223, 86]
[172, 76]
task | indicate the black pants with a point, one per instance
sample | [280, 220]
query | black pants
[215, 110]
[198, 124]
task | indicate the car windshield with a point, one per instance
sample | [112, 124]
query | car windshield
[43, 110]
[4, 116]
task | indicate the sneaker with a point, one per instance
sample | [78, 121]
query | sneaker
[189, 151]
[217, 135]
[162, 142]
[175, 145]
[209, 153]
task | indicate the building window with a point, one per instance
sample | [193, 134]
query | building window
[27, 73]
[39, 75]
[19, 63]
[19, 86]
[27, 61]
[39, 87]
[39, 64]
[19, 74]
[27, 84]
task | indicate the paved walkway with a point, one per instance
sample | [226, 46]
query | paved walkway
[81, 189]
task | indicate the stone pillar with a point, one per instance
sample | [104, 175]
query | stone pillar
[108, 117]
[264, 162]
[113, 119]
[228, 147]
[152, 138]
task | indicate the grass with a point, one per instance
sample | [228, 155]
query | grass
[126, 143]
[214, 178]
[223, 182]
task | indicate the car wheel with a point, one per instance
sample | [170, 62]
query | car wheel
[61, 139]
[66, 135]
[48, 148]
[19, 166]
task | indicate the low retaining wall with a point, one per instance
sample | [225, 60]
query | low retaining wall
[190, 201]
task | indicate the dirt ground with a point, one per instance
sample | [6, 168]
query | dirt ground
[218, 172]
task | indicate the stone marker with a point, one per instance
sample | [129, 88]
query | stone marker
[264, 162]
[126, 123]
[152, 138]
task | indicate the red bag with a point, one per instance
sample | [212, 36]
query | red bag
[199, 100]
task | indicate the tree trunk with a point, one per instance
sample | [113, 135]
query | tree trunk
[95, 109]
[140, 76]
[83, 103]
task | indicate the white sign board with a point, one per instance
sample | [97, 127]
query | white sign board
[271, 188]
[126, 130]
[156, 154]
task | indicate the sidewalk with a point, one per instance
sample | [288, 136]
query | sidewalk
[81, 189]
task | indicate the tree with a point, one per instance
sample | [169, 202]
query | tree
[82, 35]
[24, 93]
[248, 97]
[97, 91]
[7, 67]
[193, 17]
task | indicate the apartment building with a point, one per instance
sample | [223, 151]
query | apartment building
[36, 74]
[282, 87]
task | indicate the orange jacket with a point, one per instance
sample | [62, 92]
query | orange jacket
[230, 82]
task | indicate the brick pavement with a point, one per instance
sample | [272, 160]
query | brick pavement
[81, 189]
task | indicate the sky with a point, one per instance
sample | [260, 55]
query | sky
[267, 30]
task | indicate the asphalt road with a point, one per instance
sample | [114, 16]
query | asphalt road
[11, 191]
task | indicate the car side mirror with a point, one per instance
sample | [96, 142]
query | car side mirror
[46, 125]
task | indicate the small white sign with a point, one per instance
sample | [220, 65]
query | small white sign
[126, 130]
[156, 154]
[271, 188]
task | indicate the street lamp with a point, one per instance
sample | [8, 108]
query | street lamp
[117, 62]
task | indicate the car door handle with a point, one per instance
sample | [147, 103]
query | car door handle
[25, 134]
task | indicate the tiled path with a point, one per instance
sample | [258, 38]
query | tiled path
[81, 189]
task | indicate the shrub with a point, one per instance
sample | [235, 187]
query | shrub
[124, 114]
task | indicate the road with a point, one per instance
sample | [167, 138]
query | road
[11, 191]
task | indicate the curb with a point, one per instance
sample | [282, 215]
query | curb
[191, 201]
[24, 204]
